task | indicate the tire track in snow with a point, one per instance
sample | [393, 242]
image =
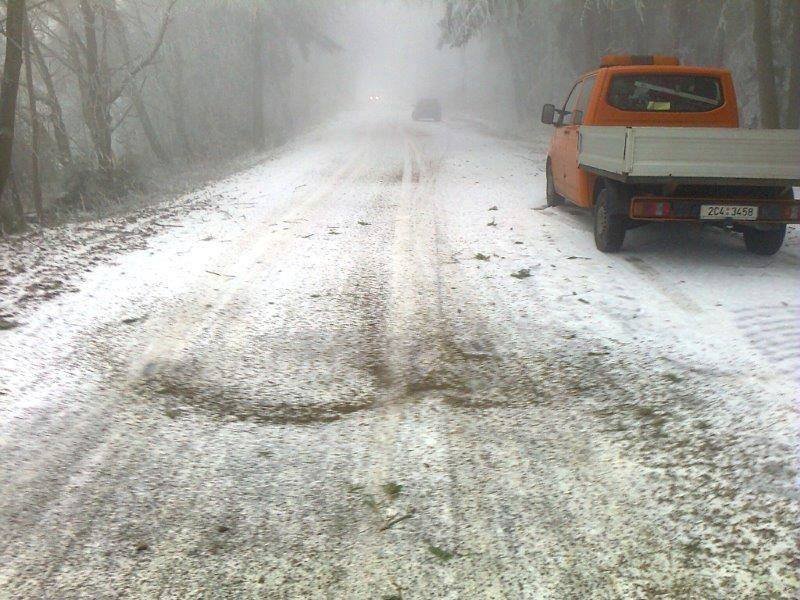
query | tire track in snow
[774, 330]
[164, 363]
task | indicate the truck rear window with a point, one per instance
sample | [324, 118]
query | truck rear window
[665, 93]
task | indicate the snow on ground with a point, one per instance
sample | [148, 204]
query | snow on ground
[324, 381]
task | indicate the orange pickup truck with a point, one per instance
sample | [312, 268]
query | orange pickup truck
[644, 139]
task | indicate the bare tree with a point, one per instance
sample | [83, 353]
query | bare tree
[259, 126]
[765, 65]
[133, 91]
[92, 105]
[53, 102]
[176, 96]
[793, 88]
[36, 180]
[15, 31]
[97, 109]
[89, 60]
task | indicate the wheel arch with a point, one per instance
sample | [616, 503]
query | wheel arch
[599, 186]
[621, 195]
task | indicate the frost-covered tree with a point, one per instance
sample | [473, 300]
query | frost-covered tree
[122, 86]
[14, 23]
[547, 43]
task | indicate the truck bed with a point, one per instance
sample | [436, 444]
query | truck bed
[691, 155]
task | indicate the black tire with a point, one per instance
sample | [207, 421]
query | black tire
[609, 228]
[553, 197]
[764, 242]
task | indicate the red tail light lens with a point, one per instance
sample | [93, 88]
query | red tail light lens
[651, 209]
[791, 212]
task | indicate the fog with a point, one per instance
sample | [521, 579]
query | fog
[177, 82]
[394, 48]
[400, 53]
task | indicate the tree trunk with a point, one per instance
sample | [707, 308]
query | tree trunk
[178, 101]
[12, 216]
[16, 201]
[589, 51]
[258, 82]
[133, 91]
[635, 24]
[793, 106]
[36, 182]
[517, 84]
[765, 64]
[56, 114]
[719, 47]
[98, 110]
[15, 28]
[73, 48]
[678, 14]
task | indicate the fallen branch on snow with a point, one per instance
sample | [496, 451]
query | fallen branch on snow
[166, 224]
[396, 520]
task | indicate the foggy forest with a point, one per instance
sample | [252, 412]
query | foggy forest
[121, 88]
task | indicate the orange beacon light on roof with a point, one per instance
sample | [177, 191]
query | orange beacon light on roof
[622, 60]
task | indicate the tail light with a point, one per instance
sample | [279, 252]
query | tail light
[791, 212]
[651, 209]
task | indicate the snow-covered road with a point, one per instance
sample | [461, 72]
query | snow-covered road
[327, 383]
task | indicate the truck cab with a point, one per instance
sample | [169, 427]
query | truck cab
[652, 94]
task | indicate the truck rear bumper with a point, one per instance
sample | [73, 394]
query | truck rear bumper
[715, 210]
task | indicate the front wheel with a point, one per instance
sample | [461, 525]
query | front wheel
[609, 228]
[764, 242]
[553, 197]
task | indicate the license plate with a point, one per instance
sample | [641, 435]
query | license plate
[723, 211]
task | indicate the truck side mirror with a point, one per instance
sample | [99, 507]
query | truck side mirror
[577, 117]
[548, 114]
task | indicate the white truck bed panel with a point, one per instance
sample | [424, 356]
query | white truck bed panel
[691, 153]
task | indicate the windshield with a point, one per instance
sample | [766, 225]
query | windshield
[665, 93]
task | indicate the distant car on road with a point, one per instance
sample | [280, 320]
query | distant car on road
[427, 108]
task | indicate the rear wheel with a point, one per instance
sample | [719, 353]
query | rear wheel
[764, 242]
[553, 198]
[609, 228]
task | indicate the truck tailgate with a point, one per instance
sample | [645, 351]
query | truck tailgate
[765, 156]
